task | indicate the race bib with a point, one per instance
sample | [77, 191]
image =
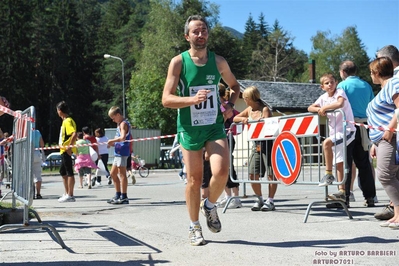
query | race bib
[206, 112]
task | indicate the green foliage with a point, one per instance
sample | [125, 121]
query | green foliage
[52, 50]
[329, 51]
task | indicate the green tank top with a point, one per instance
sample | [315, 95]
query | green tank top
[207, 115]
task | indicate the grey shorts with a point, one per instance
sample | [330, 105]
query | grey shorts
[120, 161]
[84, 171]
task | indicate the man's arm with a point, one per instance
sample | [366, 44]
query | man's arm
[228, 77]
[169, 97]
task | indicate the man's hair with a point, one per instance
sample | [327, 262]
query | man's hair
[391, 52]
[114, 110]
[191, 18]
[63, 107]
[348, 67]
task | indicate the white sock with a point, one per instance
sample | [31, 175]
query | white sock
[192, 224]
[209, 205]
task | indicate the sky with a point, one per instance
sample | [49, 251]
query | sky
[377, 21]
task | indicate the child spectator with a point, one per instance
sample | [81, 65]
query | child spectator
[83, 162]
[335, 99]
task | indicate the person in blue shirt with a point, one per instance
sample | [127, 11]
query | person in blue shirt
[122, 145]
[359, 94]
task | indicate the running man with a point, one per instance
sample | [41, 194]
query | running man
[195, 75]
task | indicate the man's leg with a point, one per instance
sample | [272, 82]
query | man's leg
[220, 160]
[193, 161]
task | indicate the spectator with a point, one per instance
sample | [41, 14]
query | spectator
[92, 140]
[359, 94]
[333, 147]
[37, 163]
[67, 139]
[381, 113]
[231, 189]
[122, 152]
[392, 53]
[260, 160]
[103, 152]
[83, 162]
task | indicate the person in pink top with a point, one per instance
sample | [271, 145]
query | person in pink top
[83, 162]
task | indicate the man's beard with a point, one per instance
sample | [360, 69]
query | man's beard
[199, 46]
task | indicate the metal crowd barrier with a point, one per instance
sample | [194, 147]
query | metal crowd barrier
[296, 153]
[22, 187]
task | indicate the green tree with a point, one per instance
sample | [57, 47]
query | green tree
[329, 51]
[162, 39]
[275, 58]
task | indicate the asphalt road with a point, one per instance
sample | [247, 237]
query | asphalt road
[153, 230]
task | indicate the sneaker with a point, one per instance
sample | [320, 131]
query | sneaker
[67, 199]
[122, 201]
[234, 204]
[89, 187]
[257, 206]
[113, 200]
[268, 206]
[62, 197]
[133, 179]
[336, 205]
[369, 202]
[352, 197]
[38, 196]
[93, 182]
[212, 218]
[386, 214]
[195, 235]
[98, 183]
[109, 180]
[326, 180]
[340, 195]
[222, 203]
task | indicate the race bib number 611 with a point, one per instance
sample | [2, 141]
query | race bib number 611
[206, 112]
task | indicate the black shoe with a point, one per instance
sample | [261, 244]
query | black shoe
[336, 205]
[38, 196]
[369, 202]
[93, 182]
[109, 180]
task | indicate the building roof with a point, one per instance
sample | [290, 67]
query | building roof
[285, 96]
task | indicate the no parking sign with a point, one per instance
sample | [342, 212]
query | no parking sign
[286, 157]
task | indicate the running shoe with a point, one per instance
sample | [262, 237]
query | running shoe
[113, 200]
[212, 218]
[257, 206]
[67, 199]
[195, 235]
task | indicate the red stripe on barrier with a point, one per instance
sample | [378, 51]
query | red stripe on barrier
[304, 125]
[288, 124]
[257, 130]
